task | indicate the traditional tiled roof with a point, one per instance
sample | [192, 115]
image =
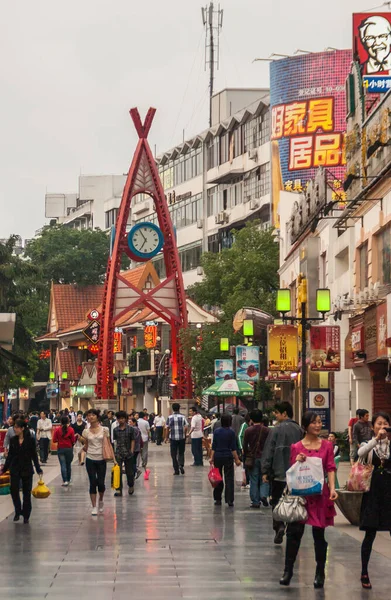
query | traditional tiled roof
[67, 361]
[72, 303]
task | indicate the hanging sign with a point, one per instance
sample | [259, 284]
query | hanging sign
[325, 344]
[117, 346]
[282, 348]
[224, 369]
[92, 332]
[247, 363]
[150, 336]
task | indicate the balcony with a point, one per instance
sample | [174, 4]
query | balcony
[142, 363]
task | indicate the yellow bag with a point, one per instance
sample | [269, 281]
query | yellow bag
[115, 477]
[41, 491]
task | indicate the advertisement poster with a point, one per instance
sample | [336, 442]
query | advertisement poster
[319, 402]
[325, 342]
[224, 369]
[247, 363]
[372, 49]
[308, 105]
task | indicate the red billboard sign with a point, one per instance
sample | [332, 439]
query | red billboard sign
[325, 348]
[372, 42]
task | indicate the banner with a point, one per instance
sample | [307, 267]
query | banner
[282, 351]
[325, 342]
[247, 363]
[224, 369]
[319, 402]
[372, 49]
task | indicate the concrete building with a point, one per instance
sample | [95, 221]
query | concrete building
[214, 183]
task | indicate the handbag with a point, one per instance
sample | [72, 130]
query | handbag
[249, 461]
[360, 475]
[41, 491]
[108, 452]
[116, 477]
[290, 509]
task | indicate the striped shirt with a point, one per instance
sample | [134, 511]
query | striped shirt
[176, 423]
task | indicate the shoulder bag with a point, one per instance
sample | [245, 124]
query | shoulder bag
[251, 456]
[290, 509]
[360, 476]
[108, 452]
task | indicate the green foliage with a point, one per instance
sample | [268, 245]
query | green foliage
[243, 275]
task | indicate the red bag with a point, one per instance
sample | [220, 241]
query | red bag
[214, 477]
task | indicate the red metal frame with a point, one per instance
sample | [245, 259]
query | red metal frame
[143, 177]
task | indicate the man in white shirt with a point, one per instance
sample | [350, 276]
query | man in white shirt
[159, 423]
[72, 415]
[44, 435]
[196, 434]
[145, 431]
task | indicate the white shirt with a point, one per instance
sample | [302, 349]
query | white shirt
[44, 428]
[196, 424]
[95, 442]
[159, 421]
[144, 428]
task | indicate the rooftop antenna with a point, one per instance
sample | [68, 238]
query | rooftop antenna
[213, 21]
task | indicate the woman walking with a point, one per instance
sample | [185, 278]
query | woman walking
[22, 453]
[64, 436]
[93, 438]
[376, 504]
[224, 453]
[78, 428]
[320, 509]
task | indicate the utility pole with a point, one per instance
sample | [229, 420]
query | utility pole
[213, 21]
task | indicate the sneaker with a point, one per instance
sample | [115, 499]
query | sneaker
[278, 538]
[264, 501]
[101, 506]
[65, 484]
[138, 473]
[131, 491]
[94, 511]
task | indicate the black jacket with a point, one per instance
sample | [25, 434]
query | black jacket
[21, 456]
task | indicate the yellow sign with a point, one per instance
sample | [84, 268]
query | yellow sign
[282, 348]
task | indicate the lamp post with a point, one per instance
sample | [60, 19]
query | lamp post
[323, 305]
[52, 377]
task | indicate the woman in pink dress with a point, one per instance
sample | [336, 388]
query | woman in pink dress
[321, 511]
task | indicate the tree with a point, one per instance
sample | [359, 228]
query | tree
[244, 275]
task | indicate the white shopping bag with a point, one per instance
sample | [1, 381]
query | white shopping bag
[306, 478]
[239, 471]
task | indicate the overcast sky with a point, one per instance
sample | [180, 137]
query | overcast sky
[71, 70]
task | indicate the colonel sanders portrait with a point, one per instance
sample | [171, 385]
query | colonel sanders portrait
[375, 35]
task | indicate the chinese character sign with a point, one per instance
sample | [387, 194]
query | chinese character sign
[382, 330]
[117, 342]
[150, 335]
[308, 116]
[247, 363]
[92, 332]
[325, 348]
[282, 350]
[224, 369]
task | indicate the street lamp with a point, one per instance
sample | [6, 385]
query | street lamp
[323, 305]
[224, 344]
[52, 377]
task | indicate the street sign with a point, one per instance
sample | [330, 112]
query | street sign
[94, 315]
[92, 332]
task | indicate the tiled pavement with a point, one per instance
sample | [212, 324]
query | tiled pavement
[167, 541]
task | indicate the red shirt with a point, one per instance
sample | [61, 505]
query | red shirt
[64, 441]
[352, 422]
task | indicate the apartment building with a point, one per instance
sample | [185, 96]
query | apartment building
[214, 183]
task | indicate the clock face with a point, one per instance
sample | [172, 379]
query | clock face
[145, 240]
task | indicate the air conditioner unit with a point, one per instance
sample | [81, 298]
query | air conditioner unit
[200, 223]
[253, 204]
[253, 154]
[200, 271]
[221, 218]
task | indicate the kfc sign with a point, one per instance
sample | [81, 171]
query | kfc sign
[372, 49]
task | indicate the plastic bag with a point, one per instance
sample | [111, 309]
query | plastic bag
[40, 490]
[214, 477]
[360, 477]
[116, 477]
[239, 474]
[306, 478]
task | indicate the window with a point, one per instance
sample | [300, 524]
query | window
[237, 141]
[181, 169]
[363, 255]
[111, 217]
[265, 128]
[384, 256]
[159, 265]
[224, 148]
[190, 256]
[213, 153]
[213, 204]
[265, 179]
[252, 185]
[182, 213]
[213, 244]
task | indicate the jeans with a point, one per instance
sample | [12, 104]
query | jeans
[278, 488]
[128, 463]
[96, 470]
[27, 483]
[65, 457]
[159, 436]
[258, 489]
[226, 465]
[178, 454]
[196, 448]
[44, 449]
